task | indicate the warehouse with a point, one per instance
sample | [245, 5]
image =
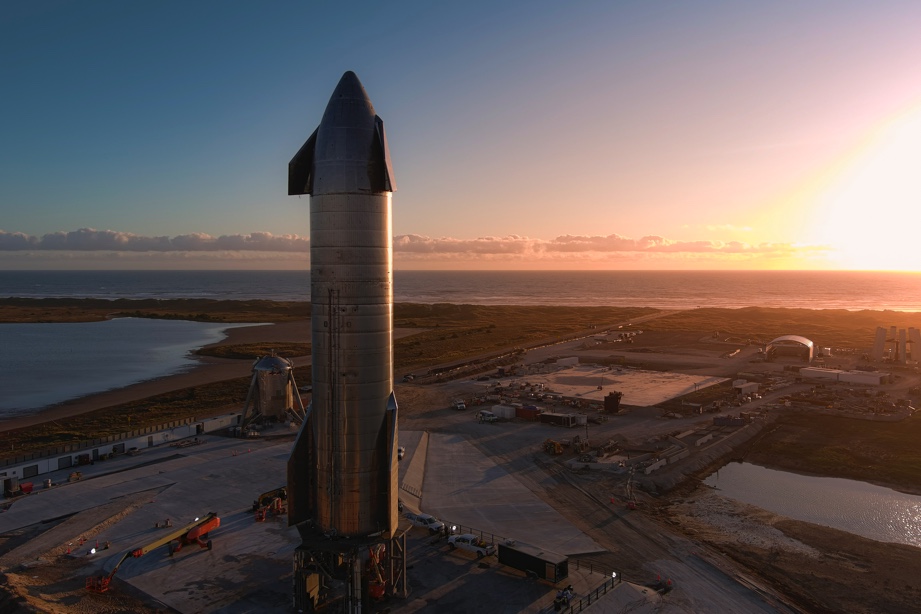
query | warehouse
[870, 378]
[791, 345]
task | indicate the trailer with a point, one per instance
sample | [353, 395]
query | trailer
[564, 420]
[193, 533]
[538, 562]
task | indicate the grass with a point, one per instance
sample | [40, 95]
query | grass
[456, 333]
[826, 327]
[879, 452]
[199, 402]
[252, 351]
[21, 310]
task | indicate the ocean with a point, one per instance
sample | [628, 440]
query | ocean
[659, 289]
[44, 364]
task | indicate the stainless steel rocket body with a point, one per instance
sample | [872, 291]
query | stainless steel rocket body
[349, 470]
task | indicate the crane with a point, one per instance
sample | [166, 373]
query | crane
[195, 532]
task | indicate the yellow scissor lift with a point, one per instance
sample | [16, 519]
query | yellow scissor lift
[196, 532]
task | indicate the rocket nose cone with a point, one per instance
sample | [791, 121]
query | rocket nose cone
[350, 88]
[350, 153]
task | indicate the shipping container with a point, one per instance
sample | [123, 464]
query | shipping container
[503, 411]
[544, 564]
[566, 420]
[528, 413]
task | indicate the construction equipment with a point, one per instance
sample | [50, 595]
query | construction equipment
[275, 506]
[195, 532]
[580, 444]
[267, 497]
[553, 447]
[377, 585]
[274, 501]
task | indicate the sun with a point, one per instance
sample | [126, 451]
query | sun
[870, 213]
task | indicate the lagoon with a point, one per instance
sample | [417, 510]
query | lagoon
[871, 511]
[49, 363]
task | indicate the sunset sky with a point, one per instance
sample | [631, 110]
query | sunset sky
[538, 134]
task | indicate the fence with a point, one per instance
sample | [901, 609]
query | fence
[592, 597]
[87, 444]
[489, 538]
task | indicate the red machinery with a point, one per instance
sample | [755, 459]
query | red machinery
[273, 501]
[195, 532]
[377, 585]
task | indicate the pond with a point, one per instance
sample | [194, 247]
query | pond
[871, 511]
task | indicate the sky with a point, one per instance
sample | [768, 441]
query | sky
[524, 134]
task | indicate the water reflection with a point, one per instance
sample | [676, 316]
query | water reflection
[49, 363]
[864, 509]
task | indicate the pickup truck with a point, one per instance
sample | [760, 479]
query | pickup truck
[471, 543]
[426, 521]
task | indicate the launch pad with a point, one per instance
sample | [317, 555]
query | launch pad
[337, 575]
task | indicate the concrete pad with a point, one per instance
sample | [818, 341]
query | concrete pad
[477, 478]
[463, 486]
[248, 570]
[640, 388]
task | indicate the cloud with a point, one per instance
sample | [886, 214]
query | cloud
[409, 248]
[579, 244]
[418, 244]
[89, 239]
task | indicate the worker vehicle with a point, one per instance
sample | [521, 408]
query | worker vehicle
[426, 521]
[276, 507]
[486, 416]
[553, 447]
[272, 501]
[471, 543]
[459, 404]
[266, 498]
[194, 533]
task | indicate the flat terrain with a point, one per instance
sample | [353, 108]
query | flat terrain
[722, 556]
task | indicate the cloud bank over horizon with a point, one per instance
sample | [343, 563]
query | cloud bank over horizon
[89, 239]
[94, 249]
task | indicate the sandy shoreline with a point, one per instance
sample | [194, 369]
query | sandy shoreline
[818, 565]
[208, 370]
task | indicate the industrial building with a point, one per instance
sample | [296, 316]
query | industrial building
[896, 344]
[791, 345]
[870, 378]
[743, 386]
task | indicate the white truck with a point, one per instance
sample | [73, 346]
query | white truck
[471, 543]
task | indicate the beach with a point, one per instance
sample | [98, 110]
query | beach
[208, 370]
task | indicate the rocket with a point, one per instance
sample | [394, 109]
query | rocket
[342, 477]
